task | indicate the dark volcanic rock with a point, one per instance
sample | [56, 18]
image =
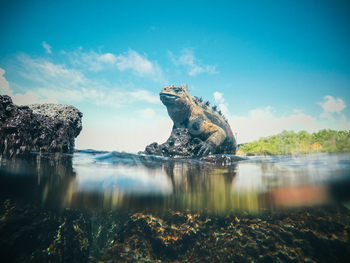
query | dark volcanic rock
[104, 226]
[63, 112]
[307, 234]
[180, 143]
[23, 131]
[30, 233]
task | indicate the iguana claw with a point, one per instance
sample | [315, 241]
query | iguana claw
[203, 148]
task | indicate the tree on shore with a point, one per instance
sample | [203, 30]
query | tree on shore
[290, 142]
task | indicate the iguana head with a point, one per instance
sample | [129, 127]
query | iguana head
[178, 101]
[175, 96]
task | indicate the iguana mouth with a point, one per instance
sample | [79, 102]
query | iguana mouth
[168, 95]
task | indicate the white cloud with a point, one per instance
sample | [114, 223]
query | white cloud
[193, 65]
[139, 65]
[108, 57]
[218, 97]
[261, 123]
[4, 85]
[144, 95]
[47, 47]
[71, 85]
[327, 115]
[87, 60]
[30, 98]
[127, 141]
[147, 113]
[224, 109]
[331, 105]
[20, 99]
[266, 113]
[46, 72]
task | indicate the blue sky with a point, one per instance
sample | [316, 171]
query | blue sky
[269, 65]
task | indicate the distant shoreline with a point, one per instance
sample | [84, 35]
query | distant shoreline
[290, 142]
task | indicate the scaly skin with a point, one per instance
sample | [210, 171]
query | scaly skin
[209, 129]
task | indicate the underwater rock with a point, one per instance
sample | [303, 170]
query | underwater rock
[22, 130]
[104, 226]
[30, 233]
[179, 143]
[317, 234]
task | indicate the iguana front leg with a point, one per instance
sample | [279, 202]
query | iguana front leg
[211, 135]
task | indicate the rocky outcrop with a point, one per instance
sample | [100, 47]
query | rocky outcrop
[182, 144]
[47, 127]
[179, 144]
[67, 113]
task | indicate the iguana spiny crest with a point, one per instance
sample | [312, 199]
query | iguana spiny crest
[206, 125]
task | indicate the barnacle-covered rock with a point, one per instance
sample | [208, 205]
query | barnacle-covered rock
[23, 130]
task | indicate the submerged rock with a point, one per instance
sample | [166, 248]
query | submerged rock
[317, 234]
[50, 127]
[30, 233]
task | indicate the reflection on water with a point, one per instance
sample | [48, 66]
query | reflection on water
[92, 206]
[113, 180]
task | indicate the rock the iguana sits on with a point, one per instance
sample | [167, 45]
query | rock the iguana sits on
[207, 126]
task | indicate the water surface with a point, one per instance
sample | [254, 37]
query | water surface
[94, 206]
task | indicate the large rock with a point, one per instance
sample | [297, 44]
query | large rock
[48, 127]
[63, 112]
[179, 144]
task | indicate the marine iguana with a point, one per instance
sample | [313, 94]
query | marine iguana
[208, 127]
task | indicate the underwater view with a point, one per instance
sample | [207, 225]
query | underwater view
[174, 131]
[95, 206]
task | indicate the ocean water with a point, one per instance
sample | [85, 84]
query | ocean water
[94, 206]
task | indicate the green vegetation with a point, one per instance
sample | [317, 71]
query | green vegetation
[289, 142]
